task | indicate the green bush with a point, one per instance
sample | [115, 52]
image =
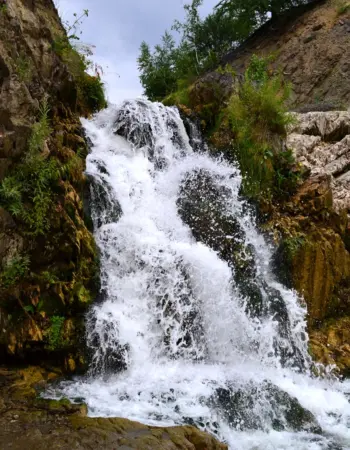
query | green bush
[14, 271]
[258, 118]
[91, 93]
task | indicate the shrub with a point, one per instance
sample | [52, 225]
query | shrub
[258, 118]
[91, 93]
[14, 271]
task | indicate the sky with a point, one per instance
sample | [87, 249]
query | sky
[116, 28]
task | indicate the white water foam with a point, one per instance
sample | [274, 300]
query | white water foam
[173, 317]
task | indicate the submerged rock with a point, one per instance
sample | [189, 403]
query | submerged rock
[262, 407]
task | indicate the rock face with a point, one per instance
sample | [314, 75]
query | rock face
[321, 142]
[47, 274]
[311, 45]
[314, 226]
[36, 424]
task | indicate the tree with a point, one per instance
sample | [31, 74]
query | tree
[253, 13]
[202, 43]
[157, 69]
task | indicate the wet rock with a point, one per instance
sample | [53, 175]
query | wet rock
[329, 344]
[262, 407]
[106, 206]
[37, 424]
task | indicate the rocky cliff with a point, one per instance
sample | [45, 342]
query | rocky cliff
[318, 231]
[47, 254]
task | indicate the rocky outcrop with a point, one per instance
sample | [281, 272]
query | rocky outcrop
[312, 228]
[311, 46]
[37, 424]
[321, 142]
[47, 254]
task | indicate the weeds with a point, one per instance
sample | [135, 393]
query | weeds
[24, 68]
[41, 130]
[28, 193]
[293, 245]
[55, 332]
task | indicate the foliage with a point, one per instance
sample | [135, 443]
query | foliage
[55, 332]
[3, 7]
[27, 193]
[73, 169]
[41, 130]
[14, 271]
[257, 117]
[24, 68]
[76, 55]
[91, 93]
[293, 245]
[202, 43]
[179, 97]
[250, 14]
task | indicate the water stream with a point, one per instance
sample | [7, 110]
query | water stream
[185, 332]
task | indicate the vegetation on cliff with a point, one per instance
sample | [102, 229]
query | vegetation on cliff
[49, 263]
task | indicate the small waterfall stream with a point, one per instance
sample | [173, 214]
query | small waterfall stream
[192, 326]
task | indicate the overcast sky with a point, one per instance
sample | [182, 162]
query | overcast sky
[117, 28]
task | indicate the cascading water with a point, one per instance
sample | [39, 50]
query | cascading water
[192, 327]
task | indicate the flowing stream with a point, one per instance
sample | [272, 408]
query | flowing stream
[191, 326]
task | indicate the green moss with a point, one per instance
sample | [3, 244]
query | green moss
[180, 97]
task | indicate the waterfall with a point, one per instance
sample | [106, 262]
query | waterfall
[192, 327]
